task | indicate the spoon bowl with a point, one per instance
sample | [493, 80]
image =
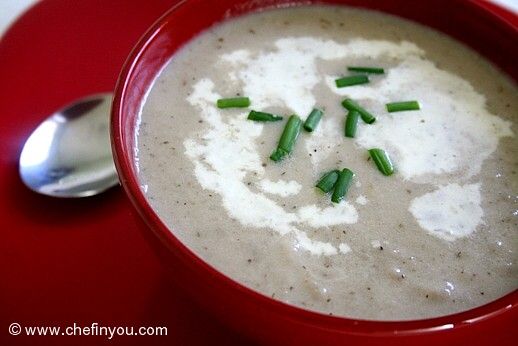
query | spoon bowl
[69, 154]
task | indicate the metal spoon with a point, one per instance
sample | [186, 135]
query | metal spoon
[69, 154]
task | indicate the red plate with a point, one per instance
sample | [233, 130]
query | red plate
[83, 261]
[79, 261]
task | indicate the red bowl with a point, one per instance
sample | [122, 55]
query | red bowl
[258, 316]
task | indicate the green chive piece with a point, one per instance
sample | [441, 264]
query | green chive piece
[278, 154]
[312, 120]
[351, 80]
[288, 138]
[234, 102]
[382, 161]
[351, 123]
[374, 70]
[353, 106]
[343, 182]
[262, 116]
[403, 106]
[290, 134]
[328, 181]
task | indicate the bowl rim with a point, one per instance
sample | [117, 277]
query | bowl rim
[124, 164]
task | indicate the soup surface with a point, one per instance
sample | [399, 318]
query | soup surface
[438, 236]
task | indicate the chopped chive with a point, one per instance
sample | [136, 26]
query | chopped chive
[382, 161]
[262, 116]
[290, 134]
[288, 138]
[343, 182]
[375, 70]
[403, 106]
[312, 120]
[234, 102]
[351, 80]
[351, 123]
[278, 154]
[353, 106]
[328, 180]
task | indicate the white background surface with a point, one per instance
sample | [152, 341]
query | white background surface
[11, 9]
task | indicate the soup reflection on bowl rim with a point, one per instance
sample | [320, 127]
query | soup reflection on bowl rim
[246, 310]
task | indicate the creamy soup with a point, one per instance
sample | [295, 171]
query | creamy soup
[437, 237]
